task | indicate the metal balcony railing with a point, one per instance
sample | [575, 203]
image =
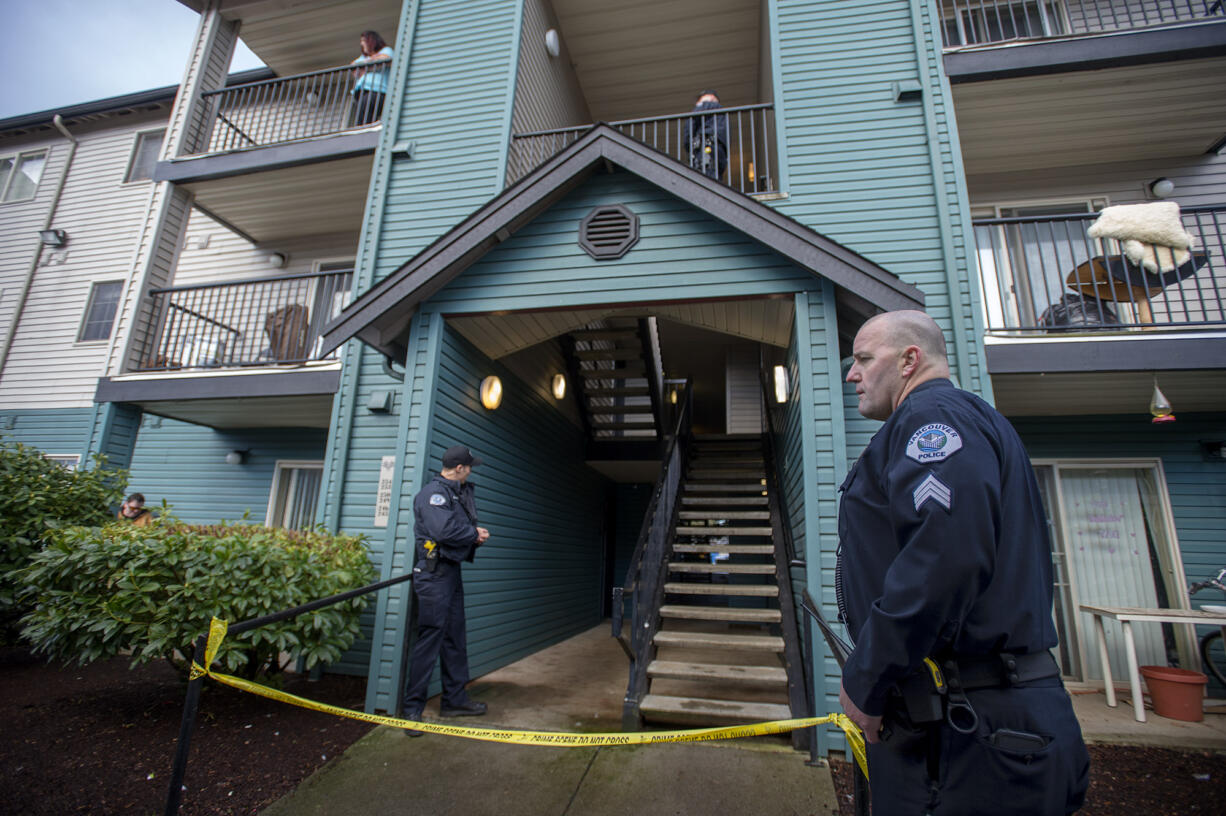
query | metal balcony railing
[246, 323]
[979, 22]
[1047, 275]
[290, 108]
[734, 145]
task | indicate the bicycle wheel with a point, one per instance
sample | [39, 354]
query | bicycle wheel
[1213, 655]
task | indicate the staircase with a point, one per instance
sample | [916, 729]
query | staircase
[726, 631]
[613, 367]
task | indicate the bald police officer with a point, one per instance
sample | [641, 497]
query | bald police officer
[446, 533]
[945, 583]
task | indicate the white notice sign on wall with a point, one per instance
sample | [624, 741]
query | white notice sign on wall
[383, 498]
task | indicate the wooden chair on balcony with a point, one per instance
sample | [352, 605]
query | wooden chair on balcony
[288, 330]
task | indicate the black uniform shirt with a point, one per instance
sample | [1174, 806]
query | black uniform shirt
[944, 544]
[445, 512]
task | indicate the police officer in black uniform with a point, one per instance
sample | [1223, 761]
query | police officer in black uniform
[446, 533]
[944, 581]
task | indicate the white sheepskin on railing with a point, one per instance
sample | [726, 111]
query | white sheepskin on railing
[1152, 235]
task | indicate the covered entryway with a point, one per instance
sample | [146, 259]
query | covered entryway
[640, 282]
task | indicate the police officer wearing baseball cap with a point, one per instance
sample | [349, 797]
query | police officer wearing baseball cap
[446, 533]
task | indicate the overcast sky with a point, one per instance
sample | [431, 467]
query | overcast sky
[55, 53]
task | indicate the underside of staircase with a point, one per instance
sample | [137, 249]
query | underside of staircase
[721, 652]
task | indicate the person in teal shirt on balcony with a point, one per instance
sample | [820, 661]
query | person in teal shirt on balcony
[371, 85]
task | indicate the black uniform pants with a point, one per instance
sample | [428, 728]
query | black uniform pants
[974, 776]
[440, 633]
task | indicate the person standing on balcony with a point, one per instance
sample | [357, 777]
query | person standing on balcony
[371, 86]
[944, 580]
[707, 137]
[446, 533]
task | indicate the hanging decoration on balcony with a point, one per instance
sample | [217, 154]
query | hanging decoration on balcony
[1160, 406]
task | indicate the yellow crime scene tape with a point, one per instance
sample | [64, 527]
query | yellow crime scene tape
[217, 633]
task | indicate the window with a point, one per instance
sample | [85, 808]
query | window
[19, 175]
[1113, 544]
[68, 461]
[100, 313]
[145, 155]
[294, 494]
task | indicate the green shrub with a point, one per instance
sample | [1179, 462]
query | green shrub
[36, 494]
[152, 591]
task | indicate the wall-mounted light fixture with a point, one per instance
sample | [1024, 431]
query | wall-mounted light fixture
[559, 386]
[1215, 451]
[553, 43]
[491, 392]
[276, 260]
[53, 237]
[1160, 406]
[782, 386]
[1162, 187]
[237, 457]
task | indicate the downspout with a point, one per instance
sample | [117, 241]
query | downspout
[58, 122]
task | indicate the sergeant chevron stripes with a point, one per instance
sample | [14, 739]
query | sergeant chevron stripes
[933, 488]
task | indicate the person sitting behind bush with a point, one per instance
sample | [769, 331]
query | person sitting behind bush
[133, 509]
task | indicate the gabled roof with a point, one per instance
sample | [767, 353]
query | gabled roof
[380, 317]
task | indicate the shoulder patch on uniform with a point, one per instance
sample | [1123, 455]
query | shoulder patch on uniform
[933, 488]
[438, 499]
[934, 442]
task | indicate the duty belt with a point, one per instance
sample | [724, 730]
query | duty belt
[999, 670]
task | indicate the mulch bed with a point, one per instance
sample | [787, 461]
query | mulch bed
[100, 739]
[1126, 780]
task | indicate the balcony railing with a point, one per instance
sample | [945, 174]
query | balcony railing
[734, 145]
[1047, 275]
[247, 323]
[290, 108]
[979, 22]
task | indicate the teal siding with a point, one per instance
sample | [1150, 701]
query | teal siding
[879, 176]
[116, 427]
[184, 465]
[461, 58]
[538, 579]
[682, 254]
[1197, 486]
[51, 430]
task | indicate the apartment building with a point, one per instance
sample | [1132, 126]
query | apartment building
[306, 307]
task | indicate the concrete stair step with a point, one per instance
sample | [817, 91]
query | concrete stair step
[747, 675]
[743, 590]
[707, 569]
[597, 410]
[723, 531]
[699, 711]
[604, 334]
[718, 640]
[724, 474]
[623, 391]
[597, 425]
[610, 354]
[721, 613]
[759, 515]
[719, 501]
[731, 549]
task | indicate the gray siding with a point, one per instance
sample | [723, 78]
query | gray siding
[1199, 181]
[47, 367]
[547, 93]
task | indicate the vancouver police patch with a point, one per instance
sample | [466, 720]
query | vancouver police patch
[934, 442]
[438, 499]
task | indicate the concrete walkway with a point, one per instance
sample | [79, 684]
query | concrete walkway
[577, 686]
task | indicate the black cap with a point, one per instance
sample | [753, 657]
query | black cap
[459, 455]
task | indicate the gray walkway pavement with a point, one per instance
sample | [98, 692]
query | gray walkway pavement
[577, 685]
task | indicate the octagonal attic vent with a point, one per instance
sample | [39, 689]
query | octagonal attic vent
[609, 232]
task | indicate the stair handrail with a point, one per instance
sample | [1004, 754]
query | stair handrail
[648, 563]
[772, 473]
